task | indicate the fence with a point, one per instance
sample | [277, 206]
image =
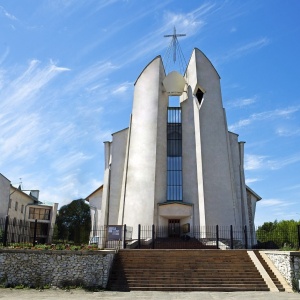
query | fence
[157, 237]
[19, 231]
[187, 237]
[197, 237]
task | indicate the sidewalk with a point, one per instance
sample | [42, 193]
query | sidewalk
[9, 294]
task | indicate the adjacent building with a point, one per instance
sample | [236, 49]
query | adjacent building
[24, 209]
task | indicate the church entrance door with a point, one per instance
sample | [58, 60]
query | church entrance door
[174, 228]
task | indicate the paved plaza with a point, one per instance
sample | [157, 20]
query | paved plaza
[9, 294]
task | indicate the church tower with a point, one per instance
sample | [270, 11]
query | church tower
[177, 166]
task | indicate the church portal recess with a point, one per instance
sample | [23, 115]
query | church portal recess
[174, 154]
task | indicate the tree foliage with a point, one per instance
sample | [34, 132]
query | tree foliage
[280, 235]
[74, 222]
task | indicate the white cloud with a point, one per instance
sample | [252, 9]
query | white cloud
[122, 88]
[293, 187]
[272, 114]
[287, 132]
[254, 162]
[70, 161]
[279, 164]
[275, 203]
[7, 14]
[91, 78]
[189, 23]
[242, 102]
[237, 52]
[25, 87]
[251, 180]
[4, 55]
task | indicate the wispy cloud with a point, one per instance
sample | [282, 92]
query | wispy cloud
[252, 180]
[123, 88]
[245, 49]
[22, 126]
[293, 187]
[122, 23]
[18, 137]
[190, 22]
[4, 55]
[267, 115]
[242, 102]
[29, 83]
[70, 161]
[278, 164]
[275, 202]
[256, 162]
[104, 4]
[287, 132]
[7, 14]
[91, 78]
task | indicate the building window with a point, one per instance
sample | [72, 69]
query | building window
[174, 155]
[22, 208]
[199, 96]
[9, 203]
[39, 213]
[16, 206]
[41, 231]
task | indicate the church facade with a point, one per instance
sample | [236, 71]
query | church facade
[176, 165]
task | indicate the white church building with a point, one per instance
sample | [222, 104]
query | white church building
[175, 165]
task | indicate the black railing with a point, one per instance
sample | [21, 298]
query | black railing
[216, 237]
[14, 232]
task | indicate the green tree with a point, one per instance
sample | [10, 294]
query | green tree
[282, 234]
[74, 222]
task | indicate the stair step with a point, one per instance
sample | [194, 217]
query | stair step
[189, 270]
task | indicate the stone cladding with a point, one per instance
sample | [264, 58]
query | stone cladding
[287, 263]
[40, 268]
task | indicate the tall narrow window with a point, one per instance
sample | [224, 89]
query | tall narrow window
[174, 155]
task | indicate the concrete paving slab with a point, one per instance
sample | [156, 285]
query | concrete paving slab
[9, 294]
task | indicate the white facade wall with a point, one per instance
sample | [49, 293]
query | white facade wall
[118, 151]
[217, 187]
[4, 195]
[95, 201]
[141, 185]
[235, 159]
[191, 167]
[106, 184]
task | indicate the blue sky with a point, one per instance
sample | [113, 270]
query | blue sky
[67, 69]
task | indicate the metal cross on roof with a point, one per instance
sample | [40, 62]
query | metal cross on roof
[174, 41]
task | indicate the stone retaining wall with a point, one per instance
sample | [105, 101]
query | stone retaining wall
[287, 263]
[36, 268]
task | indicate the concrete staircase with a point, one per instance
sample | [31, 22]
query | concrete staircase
[269, 271]
[185, 270]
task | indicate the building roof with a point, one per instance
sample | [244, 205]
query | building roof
[30, 196]
[95, 191]
[4, 177]
[253, 193]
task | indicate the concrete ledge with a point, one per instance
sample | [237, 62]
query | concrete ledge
[64, 252]
[276, 272]
[263, 272]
